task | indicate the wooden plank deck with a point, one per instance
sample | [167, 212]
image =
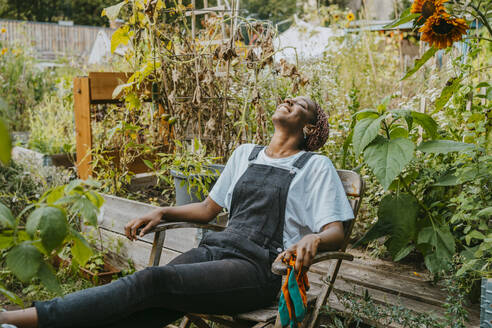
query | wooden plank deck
[387, 283]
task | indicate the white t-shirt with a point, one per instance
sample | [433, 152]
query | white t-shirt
[316, 196]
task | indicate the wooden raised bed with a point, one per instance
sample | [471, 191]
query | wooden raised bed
[97, 88]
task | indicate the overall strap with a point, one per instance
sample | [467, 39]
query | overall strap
[254, 153]
[303, 160]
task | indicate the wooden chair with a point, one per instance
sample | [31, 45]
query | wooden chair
[354, 187]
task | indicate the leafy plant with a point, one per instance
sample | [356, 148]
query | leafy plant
[51, 225]
[193, 166]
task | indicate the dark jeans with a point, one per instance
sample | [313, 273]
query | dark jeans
[203, 280]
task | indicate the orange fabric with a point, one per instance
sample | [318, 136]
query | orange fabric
[302, 282]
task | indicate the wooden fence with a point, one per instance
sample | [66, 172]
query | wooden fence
[52, 39]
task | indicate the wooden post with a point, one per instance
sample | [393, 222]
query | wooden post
[81, 103]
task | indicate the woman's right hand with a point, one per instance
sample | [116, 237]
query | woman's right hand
[148, 221]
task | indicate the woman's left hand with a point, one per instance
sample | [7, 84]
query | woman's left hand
[305, 250]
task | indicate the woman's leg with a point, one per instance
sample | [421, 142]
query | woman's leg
[29, 317]
[229, 285]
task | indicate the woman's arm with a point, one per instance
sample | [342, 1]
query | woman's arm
[329, 239]
[202, 212]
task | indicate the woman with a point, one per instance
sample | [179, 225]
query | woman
[278, 197]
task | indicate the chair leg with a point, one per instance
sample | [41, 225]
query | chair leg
[155, 254]
[323, 296]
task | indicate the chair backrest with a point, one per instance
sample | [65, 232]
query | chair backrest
[354, 188]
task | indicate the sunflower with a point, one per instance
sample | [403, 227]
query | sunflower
[3, 30]
[442, 31]
[350, 16]
[428, 8]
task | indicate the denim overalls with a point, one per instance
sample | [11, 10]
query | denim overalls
[228, 273]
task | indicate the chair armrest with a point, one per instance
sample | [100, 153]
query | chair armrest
[177, 225]
[280, 268]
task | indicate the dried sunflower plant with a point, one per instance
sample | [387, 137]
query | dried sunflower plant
[202, 82]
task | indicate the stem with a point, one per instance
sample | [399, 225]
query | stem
[482, 18]
[426, 209]
[479, 38]
[386, 129]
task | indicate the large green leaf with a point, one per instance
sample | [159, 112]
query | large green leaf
[405, 17]
[48, 278]
[442, 244]
[387, 158]
[365, 131]
[81, 250]
[444, 146]
[11, 296]
[6, 239]
[397, 215]
[5, 143]
[24, 261]
[446, 93]
[53, 227]
[486, 212]
[6, 217]
[427, 122]
[420, 62]
[87, 210]
[33, 221]
[447, 180]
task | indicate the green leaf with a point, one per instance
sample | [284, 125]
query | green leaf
[397, 215]
[421, 61]
[6, 239]
[365, 131]
[48, 278]
[24, 261]
[447, 180]
[54, 194]
[405, 17]
[5, 143]
[53, 227]
[444, 146]
[487, 212]
[11, 296]
[87, 210]
[81, 250]
[474, 234]
[365, 113]
[120, 36]
[96, 199]
[149, 164]
[406, 114]
[6, 217]
[113, 11]
[33, 221]
[402, 253]
[443, 247]
[451, 87]
[398, 132]
[387, 158]
[427, 122]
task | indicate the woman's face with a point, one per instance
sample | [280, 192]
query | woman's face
[295, 113]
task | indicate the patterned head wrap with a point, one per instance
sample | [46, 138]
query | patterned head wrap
[322, 130]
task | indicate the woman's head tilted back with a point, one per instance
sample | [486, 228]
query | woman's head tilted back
[305, 120]
[317, 138]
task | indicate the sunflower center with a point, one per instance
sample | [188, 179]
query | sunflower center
[443, 27]
[428, 9]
